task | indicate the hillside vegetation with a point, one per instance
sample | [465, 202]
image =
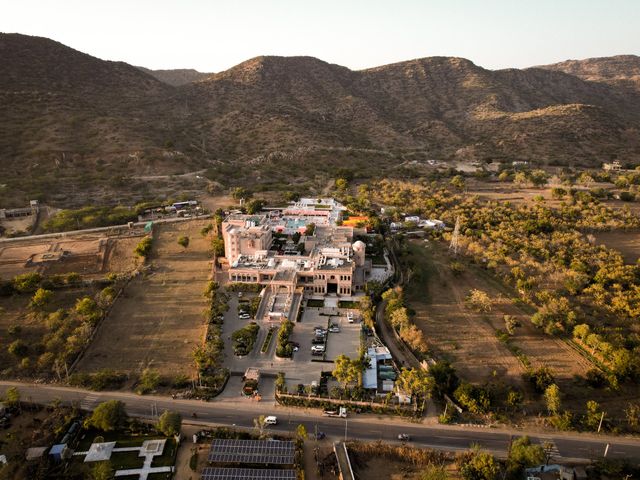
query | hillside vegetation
[71, 122]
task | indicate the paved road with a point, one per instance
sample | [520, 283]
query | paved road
[240, 412]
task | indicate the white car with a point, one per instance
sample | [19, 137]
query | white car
[317, 349]
[271, 420]
[244, 316]
[334, 329]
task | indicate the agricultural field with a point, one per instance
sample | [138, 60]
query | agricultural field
[468, 339]
[158, 321]
[627, 242]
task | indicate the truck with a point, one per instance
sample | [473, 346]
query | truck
[341, 412]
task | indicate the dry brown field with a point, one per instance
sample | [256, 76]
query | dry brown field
[93, 255]
[626, 242]
[158, 321]
[467, 338]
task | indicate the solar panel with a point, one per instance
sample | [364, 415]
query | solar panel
[212, 473]
[275, 452]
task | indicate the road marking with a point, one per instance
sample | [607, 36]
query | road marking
[552, 449]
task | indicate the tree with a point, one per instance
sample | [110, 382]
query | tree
[594, 415]
[108, 416]
[183, 241]
[632, 412]
[310, 229]
[523, 454]
[510, 323]
[520, 179]
[445, 378]
[416, 382]
[254, 206]
[170, 423]
[479, 301]
[341, 184]
[345, 371]
[538, 178]
[12, 397]
[102, 471]
[260, 424]
[480, 466]
[558, 193]
[240, 192]
[143, 249]
[18, 348]
[458, 182]
[41, 298]
[553, 398]
[149, 381]
[217, 245]
[301, 432]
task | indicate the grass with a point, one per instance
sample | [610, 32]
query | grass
[348, 304]
[126, 460]
[267, 340]
[315, 303]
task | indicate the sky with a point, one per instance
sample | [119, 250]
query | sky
[213, 35]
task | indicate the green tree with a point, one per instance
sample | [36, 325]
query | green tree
[594, 415]
[12, 397]
[345, 371]
[18, 348]
[479, 301]
[143, 249]
[417, 382]
[27, 282]
[170, 423]
[260, 425]
[240, 192]
[183, 241]
[149, 381]
[458, 182]
[553, 398]
[41, 298]
[108, 416]
[217, 245]
[301, 432]
[538, 178]
[480, 466]
[341, 184]
[523, 454]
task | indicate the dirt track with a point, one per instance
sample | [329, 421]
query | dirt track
[158, 320]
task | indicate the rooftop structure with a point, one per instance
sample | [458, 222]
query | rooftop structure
[329, 262]
[211, 473]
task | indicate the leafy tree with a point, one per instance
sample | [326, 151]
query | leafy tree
[240, 192]
[558, 193]
[538, 178]
[183, 241]
[523, 454]
[310, 229]
[260, 425]
[108, 416]
[479, 301]
[143, 249]
[593, 415]
[458, 182]
[417, 382]
[480, 466]
[18, 348]
[341, 184]
[217, 245]
[510, 323]
[41, 298]
[632, 412]
[346, 370]
[204, 231]
[12, 397]
[541, 378]
[553, 398]
[445, 378]
[474, 399]
[26, 282]
[170, 423]
[254, 206]
[149, 381]
[301, 432]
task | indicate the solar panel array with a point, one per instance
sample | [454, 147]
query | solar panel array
[211, 473]
[274, 452]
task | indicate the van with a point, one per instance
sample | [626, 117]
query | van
[350, 317]
[271, 420]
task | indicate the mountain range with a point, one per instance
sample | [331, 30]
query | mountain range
[70, 114]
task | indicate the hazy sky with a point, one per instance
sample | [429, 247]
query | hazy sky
[212, 35]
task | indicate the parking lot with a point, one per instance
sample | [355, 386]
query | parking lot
[303, 367]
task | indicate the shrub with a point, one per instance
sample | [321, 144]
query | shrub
[18, 348]
[143, 249]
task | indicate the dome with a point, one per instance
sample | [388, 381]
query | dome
[359, 246]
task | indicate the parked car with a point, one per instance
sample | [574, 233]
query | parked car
[240, 296]
[320, 331]
[334, 329]
[317, 349]
[244, 316]
[318, 341]
[271, 420]
[320, 435]
[350, 318]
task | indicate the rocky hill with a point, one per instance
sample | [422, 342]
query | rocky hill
[176, 77]
[92, 122]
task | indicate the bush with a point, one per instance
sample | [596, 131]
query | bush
[27, 282]
[143, 249]
[18, 348]
[284, 349]
[149, 381]
[245, 338]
